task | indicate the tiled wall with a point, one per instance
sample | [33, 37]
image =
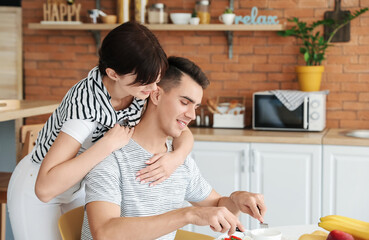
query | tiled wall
[55, 60]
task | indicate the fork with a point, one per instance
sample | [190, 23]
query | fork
[264, 225]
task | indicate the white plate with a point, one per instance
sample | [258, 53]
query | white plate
[240, 235]
[292, 232]
[358, 133]
[237, 234]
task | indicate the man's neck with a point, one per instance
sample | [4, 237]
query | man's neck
[149, 135]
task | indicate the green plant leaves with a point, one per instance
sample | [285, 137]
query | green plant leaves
[313, 44]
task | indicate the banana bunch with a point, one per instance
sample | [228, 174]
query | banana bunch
[357, 228]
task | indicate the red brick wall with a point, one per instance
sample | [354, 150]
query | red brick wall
[55, 60]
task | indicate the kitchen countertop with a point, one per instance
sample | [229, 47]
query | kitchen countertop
[337, 136]
[328, 136]
[14, 109]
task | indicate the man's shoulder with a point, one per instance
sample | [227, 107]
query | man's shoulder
[131, 150]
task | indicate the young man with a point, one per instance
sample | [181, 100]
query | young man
[118, 206]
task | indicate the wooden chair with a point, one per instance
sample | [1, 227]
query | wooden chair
[186, 235]
[70, 224]
[28, 136]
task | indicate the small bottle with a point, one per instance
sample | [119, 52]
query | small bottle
[202, 117]
[140, 11]
[207, 121]
[157, 14]
[202, 9]
[123, 11]
[198, 121]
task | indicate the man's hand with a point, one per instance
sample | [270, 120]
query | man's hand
[220, 219]
[250, 203]
[161, 166]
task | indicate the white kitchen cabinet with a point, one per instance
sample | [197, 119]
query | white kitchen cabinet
[345, 181]
[289, 177]
[225, 166]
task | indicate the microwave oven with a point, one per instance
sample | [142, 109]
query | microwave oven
[269, 113]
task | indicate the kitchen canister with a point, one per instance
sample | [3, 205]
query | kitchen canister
[140, 10]
[123, 11]
[202, 9]
[157, 14]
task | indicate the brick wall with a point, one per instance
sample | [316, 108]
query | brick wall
[55, 60]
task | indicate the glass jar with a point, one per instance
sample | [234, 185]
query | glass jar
[158, 14]
[202, 9]
[140, 10]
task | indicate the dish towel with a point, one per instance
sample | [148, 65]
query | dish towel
[291, 99]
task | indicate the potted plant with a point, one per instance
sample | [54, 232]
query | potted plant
[227, 17]
[313, 47]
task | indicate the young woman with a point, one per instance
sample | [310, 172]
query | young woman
[95, 118]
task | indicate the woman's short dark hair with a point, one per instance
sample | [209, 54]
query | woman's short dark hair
[131, 47]
[179, 66]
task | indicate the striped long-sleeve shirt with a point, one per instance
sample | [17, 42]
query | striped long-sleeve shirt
[86, 100]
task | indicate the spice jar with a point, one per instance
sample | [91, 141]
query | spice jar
[158, 14]
[202, 9]
[140, 10]
[123, 11]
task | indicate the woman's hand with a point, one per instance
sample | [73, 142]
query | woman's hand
[250, 203]
[161, 166]
[117, 137]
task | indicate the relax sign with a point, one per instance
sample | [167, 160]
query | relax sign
[255, 19]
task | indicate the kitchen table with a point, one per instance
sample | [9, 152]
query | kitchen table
[12, 111]
[11, 114]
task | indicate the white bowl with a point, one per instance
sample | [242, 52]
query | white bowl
[180, 18]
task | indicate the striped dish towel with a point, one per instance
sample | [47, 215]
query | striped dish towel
[292, 99]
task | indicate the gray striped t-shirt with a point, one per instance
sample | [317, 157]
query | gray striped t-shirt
[113, 180]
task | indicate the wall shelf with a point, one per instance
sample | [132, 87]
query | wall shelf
[159, 27]
[96, 28]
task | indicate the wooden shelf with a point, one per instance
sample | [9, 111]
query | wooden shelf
[160, 27]
[96, 28]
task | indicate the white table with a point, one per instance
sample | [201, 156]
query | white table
[293, 232]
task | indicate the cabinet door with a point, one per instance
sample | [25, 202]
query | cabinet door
[345, 181]
[289, 176]
[224, 166]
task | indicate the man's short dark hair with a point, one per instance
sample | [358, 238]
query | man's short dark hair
[131, 47]
[179, 66]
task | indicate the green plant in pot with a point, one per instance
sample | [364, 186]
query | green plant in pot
[313, 46]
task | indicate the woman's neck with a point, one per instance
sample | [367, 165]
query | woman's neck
[118, 103]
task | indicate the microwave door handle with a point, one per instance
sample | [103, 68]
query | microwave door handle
[305, 113]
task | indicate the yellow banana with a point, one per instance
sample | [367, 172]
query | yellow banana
[356, 230]
[344, 219]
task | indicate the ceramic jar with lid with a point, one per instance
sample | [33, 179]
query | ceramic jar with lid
[158, 14]
[203, 11]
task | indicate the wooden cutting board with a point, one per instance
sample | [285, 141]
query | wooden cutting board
[342, 35]
[11, 80]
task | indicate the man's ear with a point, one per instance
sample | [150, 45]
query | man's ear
[155, 96]
[112, 74]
